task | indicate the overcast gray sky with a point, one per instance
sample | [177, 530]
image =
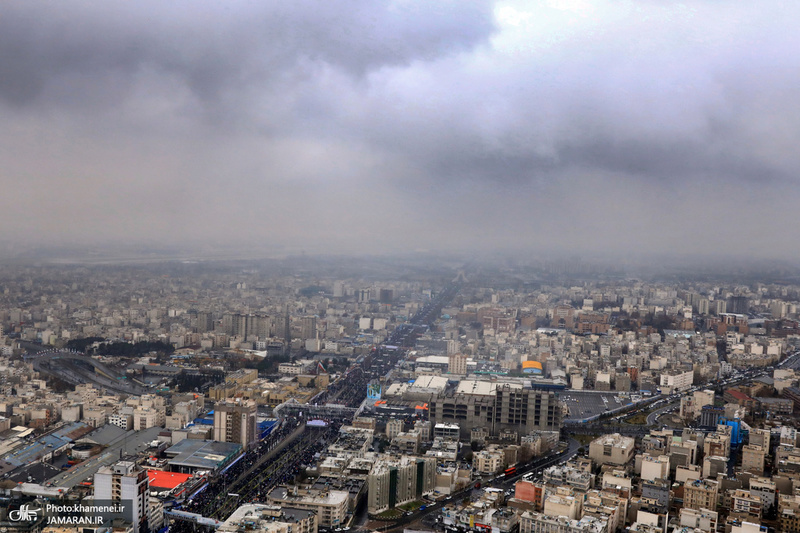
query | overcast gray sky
[362, 126]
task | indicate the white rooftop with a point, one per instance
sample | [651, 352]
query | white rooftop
[481, 388]
[429, 382]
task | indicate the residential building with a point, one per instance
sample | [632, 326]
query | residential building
[530, 491]
[329, 505]
[653, 468]
[676, 380]
[789, 513]
[702, 519]
[148, 417]
[532, 522]
[701, 494]
[753, 457]
[260, 518]
[765, 489]
[489, 461]
[760, 437]
[127, 483]
[394, 427]
[788, 436]
[393, 481]
[564, 502]
[457, 364]
[744, 503]
[611, 449]
[235, 421]
[124, 421]
[658, 494]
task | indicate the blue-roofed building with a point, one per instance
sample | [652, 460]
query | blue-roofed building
[736, 431]
[40, 450]
[265, 427]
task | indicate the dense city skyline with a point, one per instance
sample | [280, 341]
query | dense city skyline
[388, 394]
[363, 128]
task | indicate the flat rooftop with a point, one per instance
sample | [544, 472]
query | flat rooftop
[202, 454]
[477, 387]
[127, 443]
[166, 480]
[429, 382]
[585, 404]
[324, 497]
[35, 451]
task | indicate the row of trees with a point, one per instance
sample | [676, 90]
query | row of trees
[119, 349]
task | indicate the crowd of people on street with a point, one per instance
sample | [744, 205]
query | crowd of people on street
[204, 499]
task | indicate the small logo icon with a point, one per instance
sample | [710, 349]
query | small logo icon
[24, 513]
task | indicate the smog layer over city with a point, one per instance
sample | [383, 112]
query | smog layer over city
[406, 267]
[342, 127]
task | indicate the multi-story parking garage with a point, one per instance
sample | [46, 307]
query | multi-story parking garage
[498, 407]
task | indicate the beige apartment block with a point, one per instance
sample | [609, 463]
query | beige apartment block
[612, 449]
[564, 503]
[753, 457]
[700, 494]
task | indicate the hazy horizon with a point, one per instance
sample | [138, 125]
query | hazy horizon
[566, 126]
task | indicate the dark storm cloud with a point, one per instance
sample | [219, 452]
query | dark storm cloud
[675, 162]
[357, 125]
[661, 93]
[218, 46]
